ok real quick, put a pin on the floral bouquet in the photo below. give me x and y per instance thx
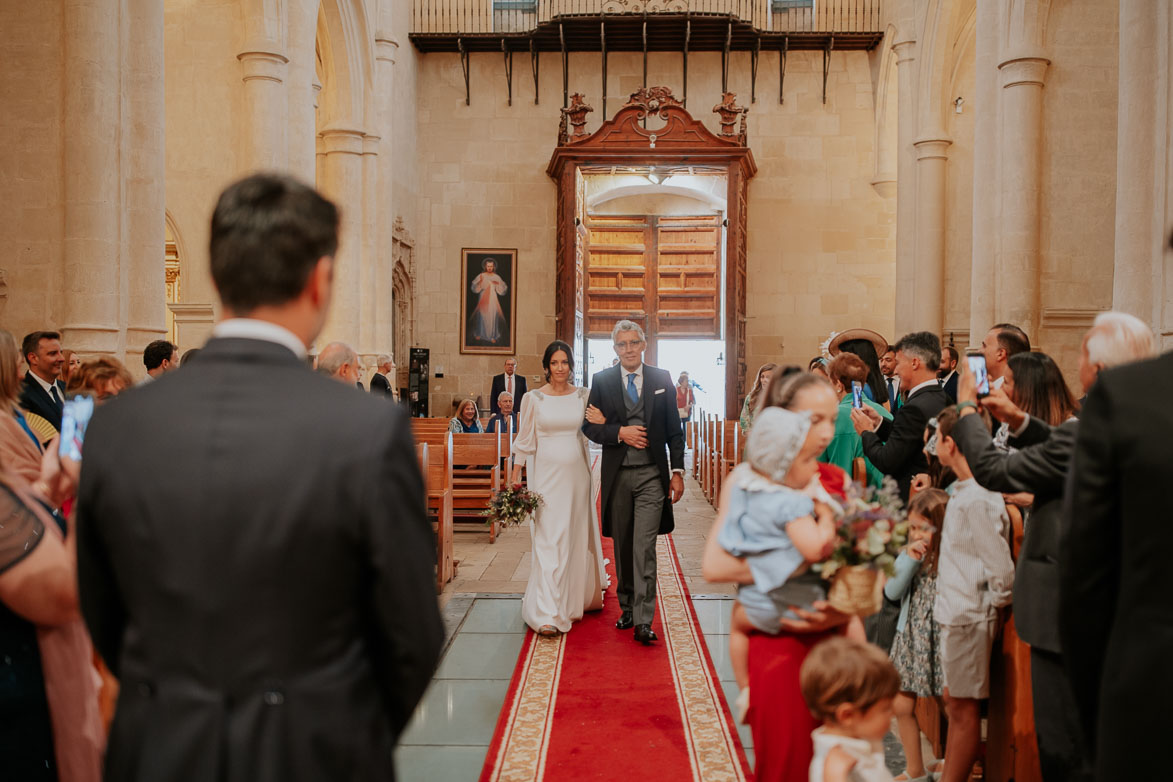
(869, 535)
(512, 505)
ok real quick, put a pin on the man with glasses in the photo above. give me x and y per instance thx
(641, 437)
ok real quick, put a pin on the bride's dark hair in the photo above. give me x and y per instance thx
(553, 348)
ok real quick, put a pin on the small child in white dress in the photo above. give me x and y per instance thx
(851, 686)
(773, 522)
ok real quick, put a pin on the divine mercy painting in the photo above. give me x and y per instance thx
(488, 298)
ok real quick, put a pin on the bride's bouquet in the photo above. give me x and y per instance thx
(869, 536)
(512, 505)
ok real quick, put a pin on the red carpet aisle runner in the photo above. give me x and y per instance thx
(595, 705)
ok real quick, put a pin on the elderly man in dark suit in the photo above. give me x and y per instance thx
(507, 382)
(1114, 609)
(43, 393)
(259, 578)
(381, 380)
(641, 437)
(896, 447)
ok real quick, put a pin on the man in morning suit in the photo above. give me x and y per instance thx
(259, 579)
(640, 438)
(509, 381)
(896, 447)
(43, 393)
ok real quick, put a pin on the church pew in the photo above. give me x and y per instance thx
(696, 443)
(730, 432)
(438, 485)
(476, 474)
(706, 455)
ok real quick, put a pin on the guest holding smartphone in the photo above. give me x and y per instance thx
(847, 372)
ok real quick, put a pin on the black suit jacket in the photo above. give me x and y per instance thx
(663, 431)
(36, 399)
(259, 579)
(1039, 467)
(519, 390)
(950, 387)
(897, 447)
(380, 386)
(1116, 618)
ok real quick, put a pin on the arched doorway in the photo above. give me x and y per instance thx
(672, 144)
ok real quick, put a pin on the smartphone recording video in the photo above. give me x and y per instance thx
(75, 417)
(981, 379)
(856, 394)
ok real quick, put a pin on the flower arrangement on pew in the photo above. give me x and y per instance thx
(512, 505)
(870, 534)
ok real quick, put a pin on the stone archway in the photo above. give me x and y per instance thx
(634, 137)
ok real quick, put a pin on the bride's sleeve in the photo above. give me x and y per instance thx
(525, 443)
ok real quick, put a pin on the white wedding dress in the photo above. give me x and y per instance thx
(566, 567)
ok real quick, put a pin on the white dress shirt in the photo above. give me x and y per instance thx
(975, 572)
(927, 384)
(264, 330)
(49, 387)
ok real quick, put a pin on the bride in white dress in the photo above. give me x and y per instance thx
(566, 566)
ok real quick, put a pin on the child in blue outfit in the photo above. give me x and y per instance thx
(775, 523)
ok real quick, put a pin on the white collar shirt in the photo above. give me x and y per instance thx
(927, 384)
(45, 385)
(639, 377)
(266, 331)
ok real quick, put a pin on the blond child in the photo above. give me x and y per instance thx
(974, 580)
(916, 651)
(850, 685)
(775, 524)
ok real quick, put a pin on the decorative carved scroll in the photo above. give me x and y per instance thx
(729, 112)
(575, 115)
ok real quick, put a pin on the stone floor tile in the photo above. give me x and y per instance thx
(481, 656)
(417, 763)
(457, 712)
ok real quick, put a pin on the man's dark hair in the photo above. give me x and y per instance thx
(924, 345)
(1012, 339)
(157, 352)
(954, 356)
(889, 349)
(553, 348)
(31, 342)
(268, 233)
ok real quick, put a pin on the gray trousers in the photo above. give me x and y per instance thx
(637, 504)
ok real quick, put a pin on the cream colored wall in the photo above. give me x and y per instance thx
(31, 186)
(959, 195)
(820, 238)
(1079, 174)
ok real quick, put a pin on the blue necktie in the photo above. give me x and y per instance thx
(631, 390)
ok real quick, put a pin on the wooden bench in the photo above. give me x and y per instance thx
(729, 456)
(476, 475)
(436, 465)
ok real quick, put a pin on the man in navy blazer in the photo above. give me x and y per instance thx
(43, 392)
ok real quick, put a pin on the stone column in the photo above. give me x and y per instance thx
(342, 182)
(1143, 177)
(264, 137)
(1017, 273)
(92, 199)
(385, 52)
(985, 174)
(144, 168)
(301, 78)
(928, 287)
(905, 189)
(368, 344)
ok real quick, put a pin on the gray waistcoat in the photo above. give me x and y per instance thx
(635, 417)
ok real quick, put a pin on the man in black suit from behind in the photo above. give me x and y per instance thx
(509, 381)
(258, 574)
(1115, 616)
(43, 392)
(381, 380)
(896, 447)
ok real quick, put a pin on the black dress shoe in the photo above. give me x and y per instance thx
(644, 634)
(624, 622)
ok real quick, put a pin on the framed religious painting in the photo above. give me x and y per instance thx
(488, 301)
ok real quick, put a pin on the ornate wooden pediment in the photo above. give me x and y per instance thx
(671, 135)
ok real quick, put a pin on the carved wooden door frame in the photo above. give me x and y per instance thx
(682, 141)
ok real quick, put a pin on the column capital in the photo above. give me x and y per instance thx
(263, 62)
(344, 141)
(1025, 70)
(905, 51)
(386, 47)
(933, 146)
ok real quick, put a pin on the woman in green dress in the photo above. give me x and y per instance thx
(846, 446)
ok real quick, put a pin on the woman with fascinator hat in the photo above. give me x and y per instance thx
(869, 346)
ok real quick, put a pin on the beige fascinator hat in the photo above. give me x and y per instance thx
(874, 337)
